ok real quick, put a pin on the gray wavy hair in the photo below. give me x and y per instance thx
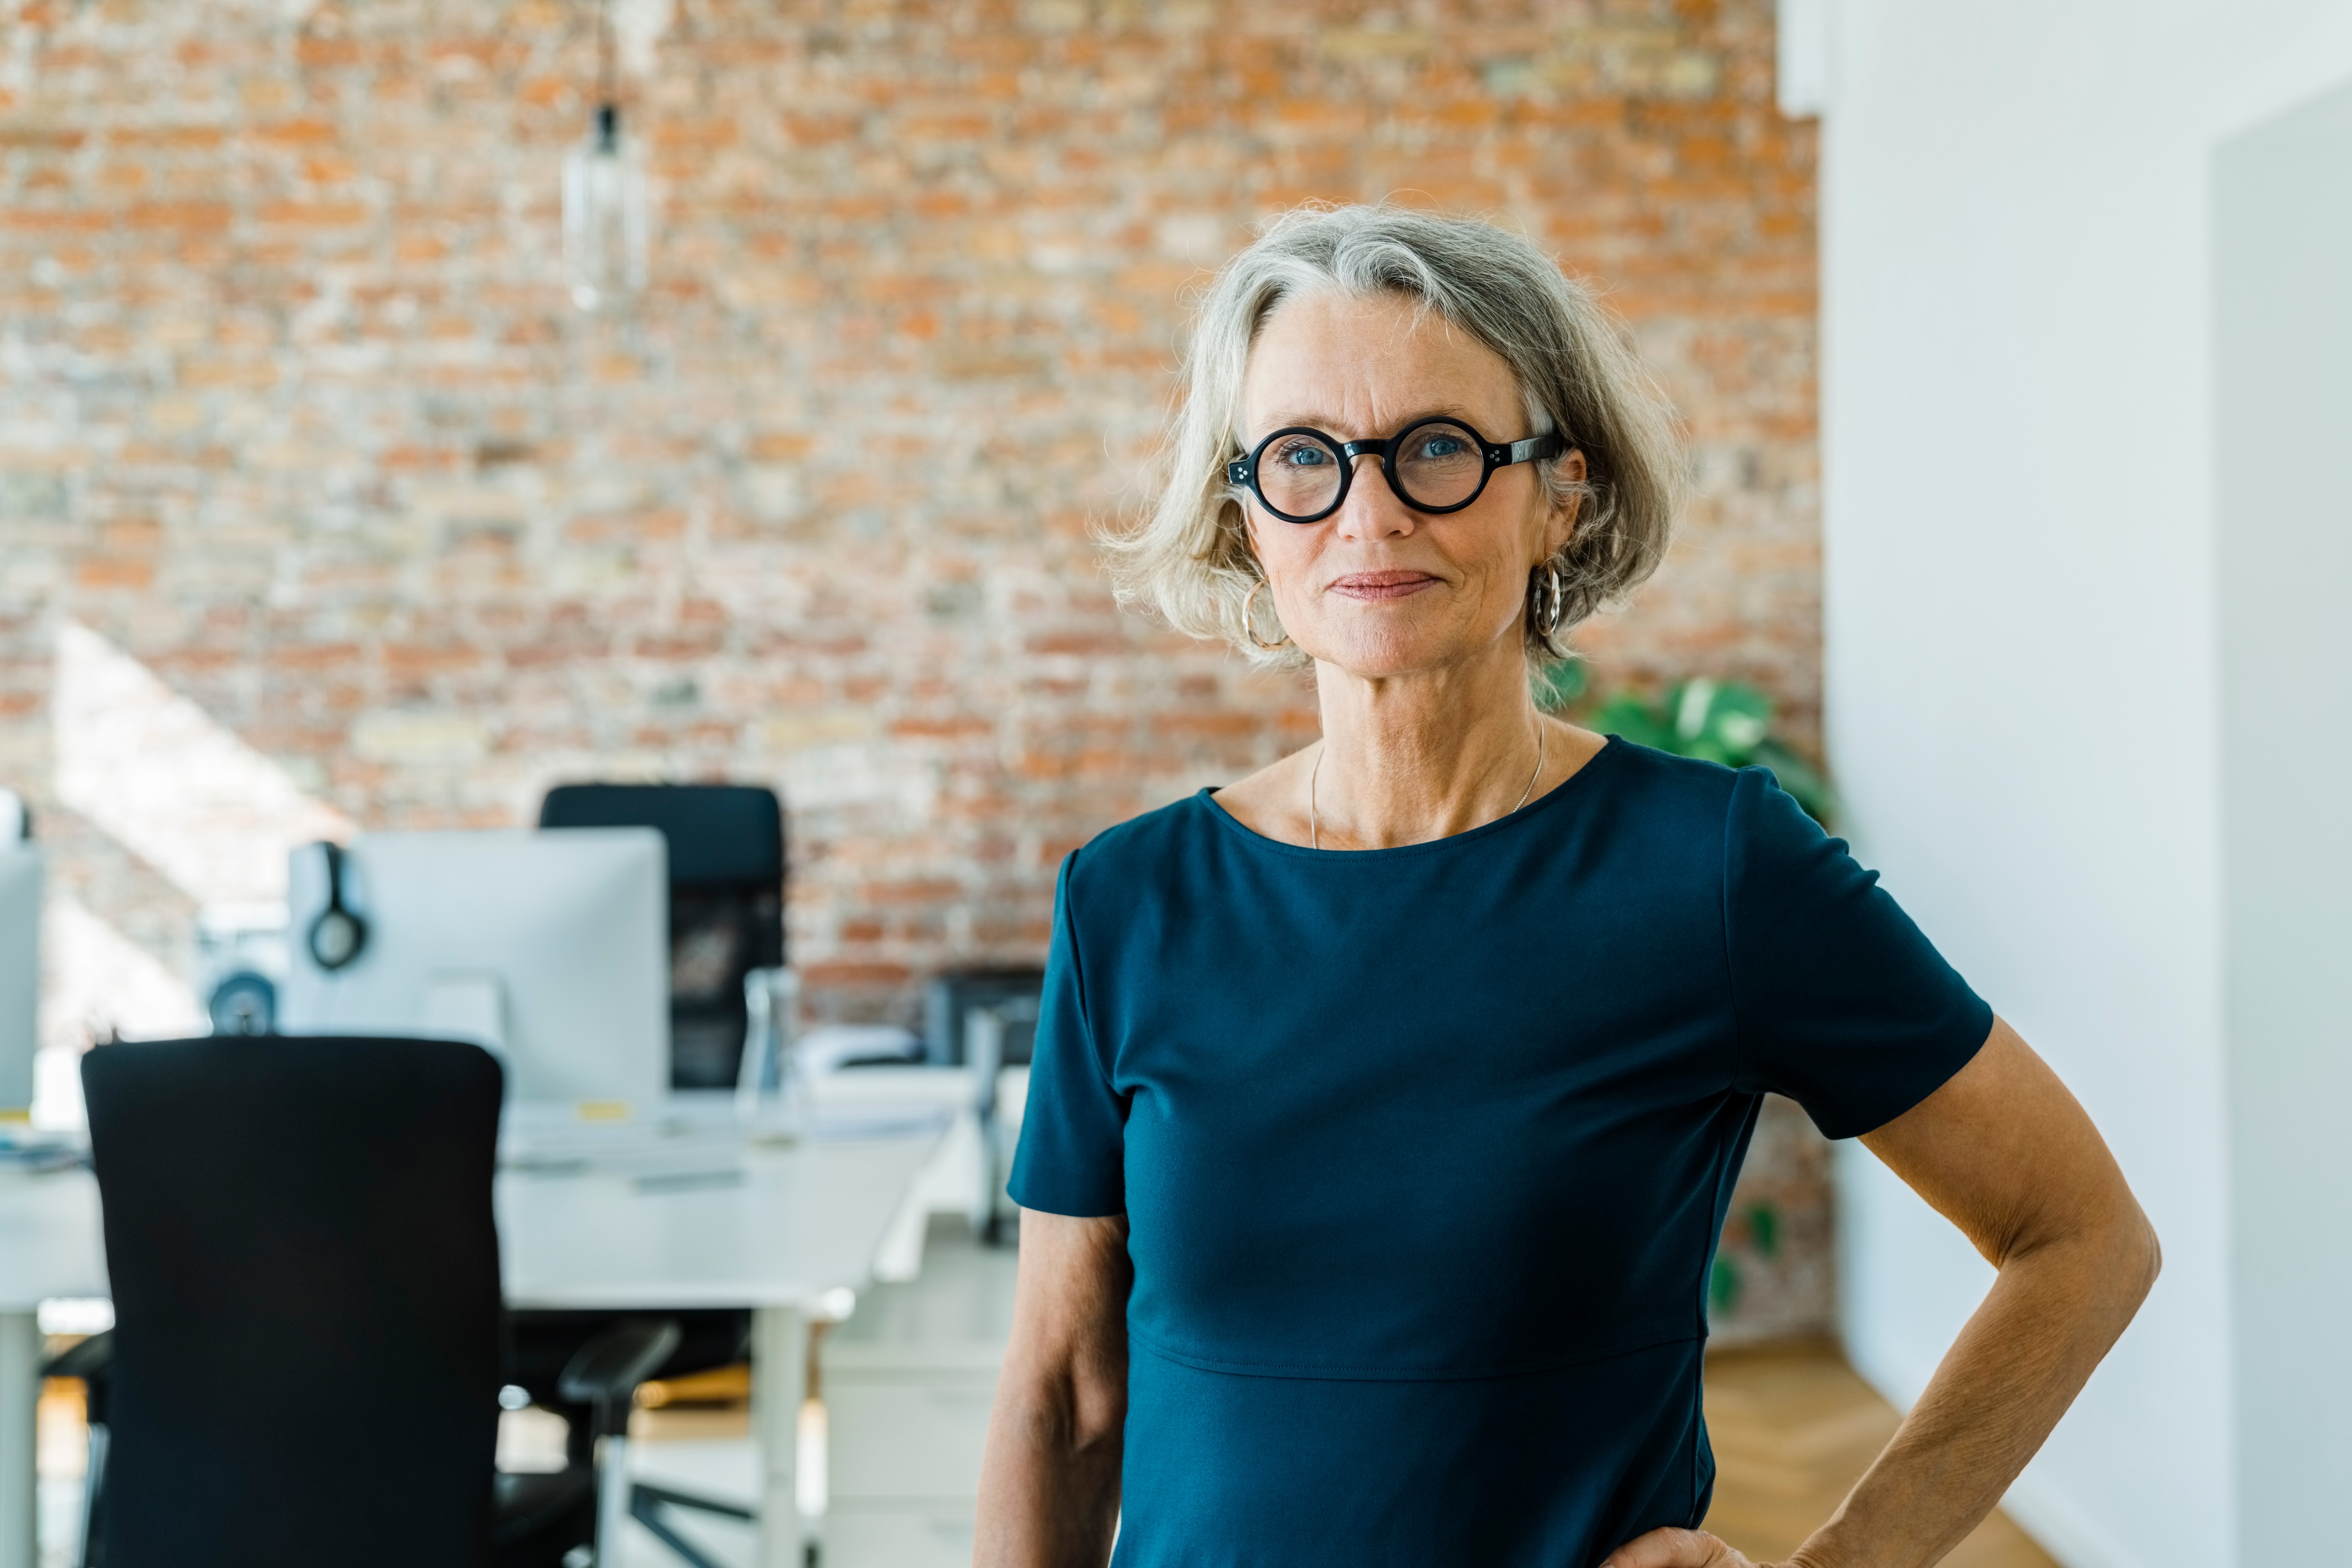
(1188, 554)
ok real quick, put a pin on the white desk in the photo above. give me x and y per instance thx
(696, 1224)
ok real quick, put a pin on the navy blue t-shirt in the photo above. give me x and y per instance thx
(1424, 1150)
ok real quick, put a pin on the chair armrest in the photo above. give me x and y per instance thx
(609, 1366)
(92, 1361)
(90, 1358)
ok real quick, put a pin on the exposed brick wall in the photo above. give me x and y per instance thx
(293, 406)
(294, 409)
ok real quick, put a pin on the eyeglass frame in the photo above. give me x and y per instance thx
(1242, 471)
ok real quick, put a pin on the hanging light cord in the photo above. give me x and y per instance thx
(605, 85)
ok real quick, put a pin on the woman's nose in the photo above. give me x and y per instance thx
(1373, 510)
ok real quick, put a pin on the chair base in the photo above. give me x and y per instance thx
(645, 1506)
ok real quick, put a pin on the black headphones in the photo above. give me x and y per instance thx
(337, 937)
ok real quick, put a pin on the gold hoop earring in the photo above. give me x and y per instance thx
(1249, 621)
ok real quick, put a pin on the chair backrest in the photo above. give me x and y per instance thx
(305, 1270)
(726, 909)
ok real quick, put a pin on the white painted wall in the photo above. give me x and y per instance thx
(2283, 380)
(2034, 670)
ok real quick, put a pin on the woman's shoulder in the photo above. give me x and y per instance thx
(1617, 775)
(1697, 801)
(1669, 778)
(1145, 841)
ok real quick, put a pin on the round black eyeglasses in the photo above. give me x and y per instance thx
(1437, 466)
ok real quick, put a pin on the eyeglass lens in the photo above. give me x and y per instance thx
(1440, 464)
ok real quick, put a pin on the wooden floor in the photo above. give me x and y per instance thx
(1793, 1428)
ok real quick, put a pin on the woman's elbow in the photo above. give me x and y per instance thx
(1097, 1412)
(2150, 1256)
(1063, 1412)
(2121, 1264)
(2108, 1252)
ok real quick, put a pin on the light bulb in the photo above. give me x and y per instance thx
(604, 213)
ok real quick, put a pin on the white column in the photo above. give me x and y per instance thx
(779, 1387)
(20, 1392)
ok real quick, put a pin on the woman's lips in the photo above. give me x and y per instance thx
(1382, 585)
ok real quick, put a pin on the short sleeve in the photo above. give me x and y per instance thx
(1841, 1004)
(1073, 1154)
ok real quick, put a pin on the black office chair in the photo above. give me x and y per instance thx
(726, 921)
(306, 1360)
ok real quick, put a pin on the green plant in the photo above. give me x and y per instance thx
(1561, 686)
(1722, 721)
(1723, 1285)
(1725, 1282)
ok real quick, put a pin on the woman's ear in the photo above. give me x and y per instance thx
(1559, 525)
(1249, 536)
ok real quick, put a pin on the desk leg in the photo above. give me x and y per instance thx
(20, 1394)
(779, 1347)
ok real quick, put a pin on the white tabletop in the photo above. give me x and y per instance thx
(50, 1243)
(715, 1228)
(694, 1223)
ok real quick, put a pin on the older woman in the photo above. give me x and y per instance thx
(1387, 1102)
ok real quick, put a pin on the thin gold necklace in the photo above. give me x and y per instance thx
(1315, 839)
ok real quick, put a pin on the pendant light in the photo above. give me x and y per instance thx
(604, 200)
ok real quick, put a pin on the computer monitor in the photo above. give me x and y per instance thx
(552, 949)
(20, 975)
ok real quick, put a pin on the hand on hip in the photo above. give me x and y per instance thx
(1678, 1549)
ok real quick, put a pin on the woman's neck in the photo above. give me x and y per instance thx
(1411, 759)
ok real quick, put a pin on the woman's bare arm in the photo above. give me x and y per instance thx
(2006, 1154)
(1049, 1482)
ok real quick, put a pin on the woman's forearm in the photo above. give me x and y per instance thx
(2025, 1353)
(1049, 1478)
(1048, 1487)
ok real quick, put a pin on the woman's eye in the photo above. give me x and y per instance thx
(1441, 447)
(1305, 455)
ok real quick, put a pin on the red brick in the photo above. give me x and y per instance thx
(833, 972)
(179, 216)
